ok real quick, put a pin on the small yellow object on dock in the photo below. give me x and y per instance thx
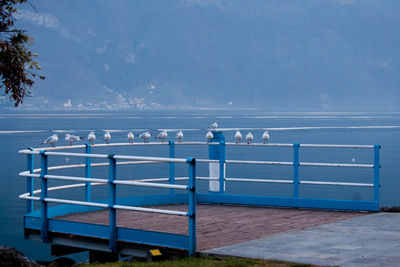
(155, 252)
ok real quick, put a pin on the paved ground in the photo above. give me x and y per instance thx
(370, 240)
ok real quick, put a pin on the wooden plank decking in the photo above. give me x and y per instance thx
(219, 225)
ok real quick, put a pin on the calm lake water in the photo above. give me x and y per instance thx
(22, 130)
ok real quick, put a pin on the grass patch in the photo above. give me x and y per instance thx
(205, 262)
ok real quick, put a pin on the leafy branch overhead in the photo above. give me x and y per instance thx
(17, 63)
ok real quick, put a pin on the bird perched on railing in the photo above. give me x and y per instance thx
(91, 137)
(162, 136)
(51, 140)
(213, 126)
(265, 137)
(249, 138)
(179, 136)
(238, 136)
(145, 136)
(107, 137)
(131, 136)
(209, 136)
(72, 138)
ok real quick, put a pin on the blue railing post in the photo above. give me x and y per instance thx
(112, 201)
(222, 167)
(88, 172)
(172, 165)
(29, 182)
(217, 152)
(376, 172)
(192, 205)
(296, 170)
(43, 196)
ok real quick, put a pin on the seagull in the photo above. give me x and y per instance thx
(265, 137)
(131, 136)
(51, 140)
(209, 136)
(249, 138)
(162, 136)
(179, 136)
(91, 137)
(107, 137)
(213, 126)
(238, 136)
(72, 138)
(145, 136)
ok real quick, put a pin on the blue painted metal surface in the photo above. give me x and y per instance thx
(296, 164)
(172, 165)
(43, 195)
(377, 167)
(112, 201)
(192, 205)
(29, 182)
(222, 167)
(215, 152)
(88, 172)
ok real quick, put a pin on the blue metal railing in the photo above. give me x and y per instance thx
(217, 159)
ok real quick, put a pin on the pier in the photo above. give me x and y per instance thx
(184, 220)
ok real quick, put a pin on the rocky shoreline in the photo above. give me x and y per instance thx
(11, 257)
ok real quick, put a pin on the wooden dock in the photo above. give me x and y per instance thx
(219, 225)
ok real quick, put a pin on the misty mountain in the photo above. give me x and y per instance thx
(276, 55)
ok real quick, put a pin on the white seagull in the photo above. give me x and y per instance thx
(238, 136)
(72, 138)
(107, 137)
(249, 138)
(131, 136)
(265, 137)
(145, 136)
(209, 136)
(91, 137)
(213, 126)
(162, 136)
(51, 140)
(179, 136)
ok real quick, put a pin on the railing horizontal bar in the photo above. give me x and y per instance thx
(75, 202)
(207, 160)
(82, 155)
(260, 162)
(73, 178)
(172, 186)
(336, 183)
(196, 143)
(335, 146)
(336, 165)
(176, 160)
(169, 212)
(259, 180)
(28, 174)
(259, 144)
(161, 179)
(207, 178)
(26, 196)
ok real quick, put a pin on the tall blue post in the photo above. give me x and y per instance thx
(88, 172)
(112, 201)
(172, 165)
(29, 182)
(192, 205)
(217, 152)
(376, 172)
(296, 170)
(43, 196)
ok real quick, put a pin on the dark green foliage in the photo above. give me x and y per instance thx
(17, 64)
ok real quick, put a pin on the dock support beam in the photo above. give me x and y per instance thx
(88, 172)
(43, 196)
(112, 201)
(192, 205)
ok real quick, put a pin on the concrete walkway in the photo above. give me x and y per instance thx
(370, 240)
